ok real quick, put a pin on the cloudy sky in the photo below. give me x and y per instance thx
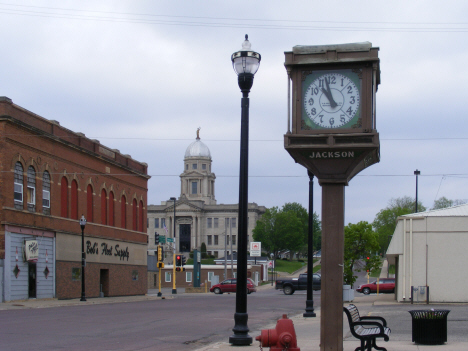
(142, 76)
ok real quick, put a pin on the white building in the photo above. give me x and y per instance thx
(429, 249)
(198, 218)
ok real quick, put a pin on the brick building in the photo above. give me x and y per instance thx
(50, 177)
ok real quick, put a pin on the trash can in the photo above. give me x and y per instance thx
(348, 293)
(429, 326)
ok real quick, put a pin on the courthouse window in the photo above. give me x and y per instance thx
(216, 222)
(209, 222)
(156, 222)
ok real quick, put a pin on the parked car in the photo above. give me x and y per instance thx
(290, 285)
(230, 285)
(386, 285)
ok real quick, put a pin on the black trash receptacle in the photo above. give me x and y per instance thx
(429, 326)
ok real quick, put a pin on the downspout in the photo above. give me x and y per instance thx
(404, 259)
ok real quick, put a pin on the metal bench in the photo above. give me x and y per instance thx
(366, 329)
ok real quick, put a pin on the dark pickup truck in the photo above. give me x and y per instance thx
(289, 286)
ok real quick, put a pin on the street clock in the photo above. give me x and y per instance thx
(333, 128)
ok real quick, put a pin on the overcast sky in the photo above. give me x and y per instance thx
(142, 76)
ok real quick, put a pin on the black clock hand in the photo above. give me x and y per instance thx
(333, 104)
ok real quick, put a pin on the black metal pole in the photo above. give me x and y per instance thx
(416, 173)
(241, 335)
(174, 288)
(309, 310)
(83, 264)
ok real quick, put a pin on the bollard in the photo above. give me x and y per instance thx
(283, 337)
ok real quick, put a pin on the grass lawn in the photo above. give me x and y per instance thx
(289, 266)
(203, 261)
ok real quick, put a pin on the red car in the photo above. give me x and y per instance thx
(230, 285)
(386, 285)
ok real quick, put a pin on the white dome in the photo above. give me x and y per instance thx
(197, 149)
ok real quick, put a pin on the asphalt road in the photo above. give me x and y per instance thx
(184, 322)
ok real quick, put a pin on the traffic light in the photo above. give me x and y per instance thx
(160, 254)
(156, 238)
(178, 260)
(367, 264)
(184, 260)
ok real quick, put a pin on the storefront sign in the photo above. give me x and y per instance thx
(31, 250)
(107, 250)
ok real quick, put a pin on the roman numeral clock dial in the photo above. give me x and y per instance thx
(331, 99)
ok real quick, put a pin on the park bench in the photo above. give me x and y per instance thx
(367, 328)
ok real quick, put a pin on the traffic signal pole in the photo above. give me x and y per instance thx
(174, 290)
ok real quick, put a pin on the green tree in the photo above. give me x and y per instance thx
(203, 250)
(303, 215)
(385, 221)
(443, 202)
(360, 241)
(286, 229)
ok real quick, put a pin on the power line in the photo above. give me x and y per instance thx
(212, 140)
(50, 12)
(461, 175)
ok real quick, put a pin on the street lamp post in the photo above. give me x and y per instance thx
(245, 63)
(309, 311)
(174, 289)
(416, 173)
(83, 258)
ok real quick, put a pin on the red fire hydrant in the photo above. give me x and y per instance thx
(283, 337)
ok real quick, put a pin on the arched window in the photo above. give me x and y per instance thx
(111, 209)
(64, 197)
(103, 206)
(89, 203)
(18, 186)
(74, 200)
(140, 213)
(46, 193)
(123, 212)
(31, 192)
(135, 215)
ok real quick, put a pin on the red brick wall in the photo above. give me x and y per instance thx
(77, 158)
(120, 280)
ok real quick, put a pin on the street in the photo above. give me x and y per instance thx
(181, 322)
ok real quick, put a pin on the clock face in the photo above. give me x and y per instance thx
(331, 99)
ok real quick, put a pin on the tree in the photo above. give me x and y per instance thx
(360, 241)
(203, 250)
(385, 221)
(303, 215)
(443, 202)
(284, 229)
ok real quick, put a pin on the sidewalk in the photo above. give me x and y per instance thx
(308, 333)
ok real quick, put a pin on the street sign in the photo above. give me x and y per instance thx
(256, 249)
(170, 240)
(162, 239)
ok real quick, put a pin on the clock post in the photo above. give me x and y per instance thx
(333, 135)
